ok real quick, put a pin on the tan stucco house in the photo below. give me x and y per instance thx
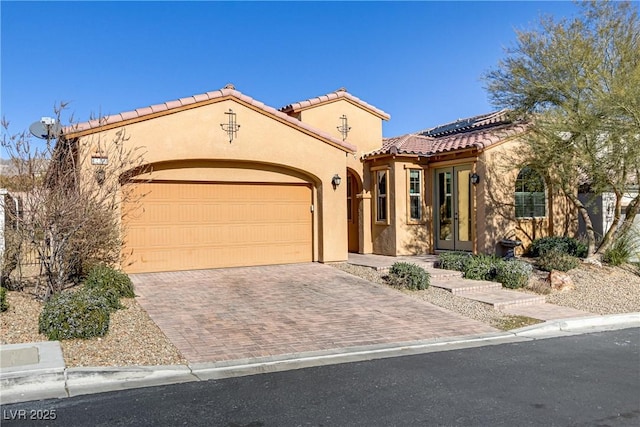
(233, 182)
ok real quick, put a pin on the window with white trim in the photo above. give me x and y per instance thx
(530, 195)
(381, 195)
(415, 194)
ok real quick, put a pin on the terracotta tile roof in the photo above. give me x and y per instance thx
(331, 97)
(122, 119)
(477, 132)
(405, 144)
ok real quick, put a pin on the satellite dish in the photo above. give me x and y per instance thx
(45, 128)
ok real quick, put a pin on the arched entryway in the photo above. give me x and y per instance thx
(354, 187)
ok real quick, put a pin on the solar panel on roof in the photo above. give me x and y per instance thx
(451, 127)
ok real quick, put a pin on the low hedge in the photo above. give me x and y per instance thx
(409, 276)
(555, 260)
(481, 267)
(512, 274)
(4, 305)
(81, 314)
(107, 278)
(567, 245)
(453, 260)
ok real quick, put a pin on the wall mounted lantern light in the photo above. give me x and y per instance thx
(100, 176)
(335, 181)
(344, 127)
(100, 161)
(231, 127)
(475, 178)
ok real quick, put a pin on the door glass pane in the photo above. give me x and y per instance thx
(349, 198)
(381, 208)
(445, 207)
(464, 205)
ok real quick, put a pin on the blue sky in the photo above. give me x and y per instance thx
(421, 62)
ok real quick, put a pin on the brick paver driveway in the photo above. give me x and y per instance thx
(239, 313)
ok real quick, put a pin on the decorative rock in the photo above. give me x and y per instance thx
(560, 281)
(593, 261)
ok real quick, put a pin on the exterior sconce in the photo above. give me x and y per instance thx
(231, 127)
(100, 175)
(100, 161)
(344, 127)
(335, 181)
(475, 178)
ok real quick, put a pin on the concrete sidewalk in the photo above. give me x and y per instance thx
(23, 380)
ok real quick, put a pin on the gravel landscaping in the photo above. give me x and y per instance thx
(601, 291)
(604, 290)
(134, 339)
(445, 299)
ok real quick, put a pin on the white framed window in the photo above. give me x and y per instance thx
(382, 200)
(530, 195)
(415, 194)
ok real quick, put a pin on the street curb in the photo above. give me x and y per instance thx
(579, 325)
(37, 384)
(98, 380)
(238, 368)
(42, 380)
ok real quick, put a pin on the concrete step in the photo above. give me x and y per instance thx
(438, 273)
(545, 311)
(459, 286)
(502, 298)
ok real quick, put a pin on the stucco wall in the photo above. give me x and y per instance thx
(496, 204)
(366, 135)
(366, 128)
(412, 237)
(193, 145)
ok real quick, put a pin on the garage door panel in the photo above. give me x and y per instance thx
(189, 226)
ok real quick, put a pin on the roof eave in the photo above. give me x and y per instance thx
(127, 118)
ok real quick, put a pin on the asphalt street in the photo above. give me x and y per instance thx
(579, 380)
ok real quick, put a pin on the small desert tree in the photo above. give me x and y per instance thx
(71, 208)
(577, 82)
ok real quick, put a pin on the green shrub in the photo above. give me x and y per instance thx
(81, 314)
(621, 251)
(555, 260)
(481, 267)
(453, 260)
(4, 305)
(104, 277)
(410, 276)
(513, 274)
(110, 295)
(567, 245)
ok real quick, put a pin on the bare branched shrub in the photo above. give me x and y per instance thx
(70, 206)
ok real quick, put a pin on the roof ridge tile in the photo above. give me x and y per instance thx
(340, 93)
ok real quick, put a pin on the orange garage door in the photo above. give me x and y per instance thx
(184, 226)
